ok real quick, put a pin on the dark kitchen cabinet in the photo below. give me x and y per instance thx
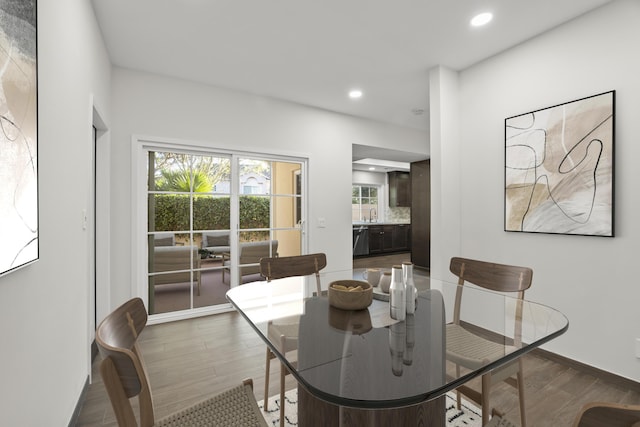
(380, 238)
(401, 237)
(389, 238)
(399, 189)
(421, 213)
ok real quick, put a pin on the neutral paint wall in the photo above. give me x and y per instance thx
(364, 177)
(44, 307)
(151, 105)
(590, 279)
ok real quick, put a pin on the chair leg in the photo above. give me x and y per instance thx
(266, 379)
(458, 396)
(282, 375)
(486, 408)
(521, 394)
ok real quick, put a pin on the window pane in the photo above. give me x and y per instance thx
(172, 278)
(286, 212)
(255, 211)
(179, 172)
(169, 212)
(255, 176)
(288, 242)
(254, 236)
(254, 246)
(211, 212)
(218, 173)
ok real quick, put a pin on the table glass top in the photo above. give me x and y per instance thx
(365, 359)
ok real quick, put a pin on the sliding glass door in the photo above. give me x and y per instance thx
(188, 204)
(211, 217)
(269, 214)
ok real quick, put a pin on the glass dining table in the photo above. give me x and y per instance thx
(364, 368)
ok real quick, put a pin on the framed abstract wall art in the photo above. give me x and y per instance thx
(18, 135)
(559, 168)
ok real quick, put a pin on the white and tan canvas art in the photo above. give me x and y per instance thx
(559, 168)
(18, 135)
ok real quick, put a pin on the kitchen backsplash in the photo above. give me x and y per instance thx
(402, 215)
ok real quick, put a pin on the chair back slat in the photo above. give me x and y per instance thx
(488, 275)
(116, 338)
(495, 277)
(290, 266)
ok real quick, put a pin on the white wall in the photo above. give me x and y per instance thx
(151, 105)
(44, 307)
(365, 177)
(590, 279)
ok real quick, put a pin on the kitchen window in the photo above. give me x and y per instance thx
(364, 203)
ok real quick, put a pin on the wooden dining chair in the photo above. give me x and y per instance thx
(601, 414)
(283, 331)
(125, 377)
(470, 350)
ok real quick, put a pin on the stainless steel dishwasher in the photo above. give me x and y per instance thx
(360, 240)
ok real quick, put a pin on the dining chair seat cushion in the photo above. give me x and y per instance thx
(236, 407)
(470, 350)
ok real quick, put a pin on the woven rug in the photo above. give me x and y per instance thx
(469, 416)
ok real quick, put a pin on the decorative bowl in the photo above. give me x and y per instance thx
(350, 294)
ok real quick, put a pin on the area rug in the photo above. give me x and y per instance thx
(468, 416)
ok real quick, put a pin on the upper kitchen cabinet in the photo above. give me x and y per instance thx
(399, 189)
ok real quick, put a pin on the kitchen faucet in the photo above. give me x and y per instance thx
(373, 211)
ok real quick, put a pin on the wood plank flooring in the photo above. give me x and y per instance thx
(189, 360)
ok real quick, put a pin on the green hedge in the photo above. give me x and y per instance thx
(210, 213)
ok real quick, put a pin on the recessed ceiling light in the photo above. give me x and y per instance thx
(372, 168)
(355, 94)
(481, 19)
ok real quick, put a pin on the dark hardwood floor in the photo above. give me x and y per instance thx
(191, 359)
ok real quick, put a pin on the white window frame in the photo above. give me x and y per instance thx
(379, 211)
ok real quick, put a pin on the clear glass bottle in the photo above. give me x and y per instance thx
(397, 298)
(409, 287)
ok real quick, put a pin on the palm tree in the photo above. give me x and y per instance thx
(186, 172)
(184, 181)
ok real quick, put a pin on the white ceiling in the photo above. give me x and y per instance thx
(313, 51)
